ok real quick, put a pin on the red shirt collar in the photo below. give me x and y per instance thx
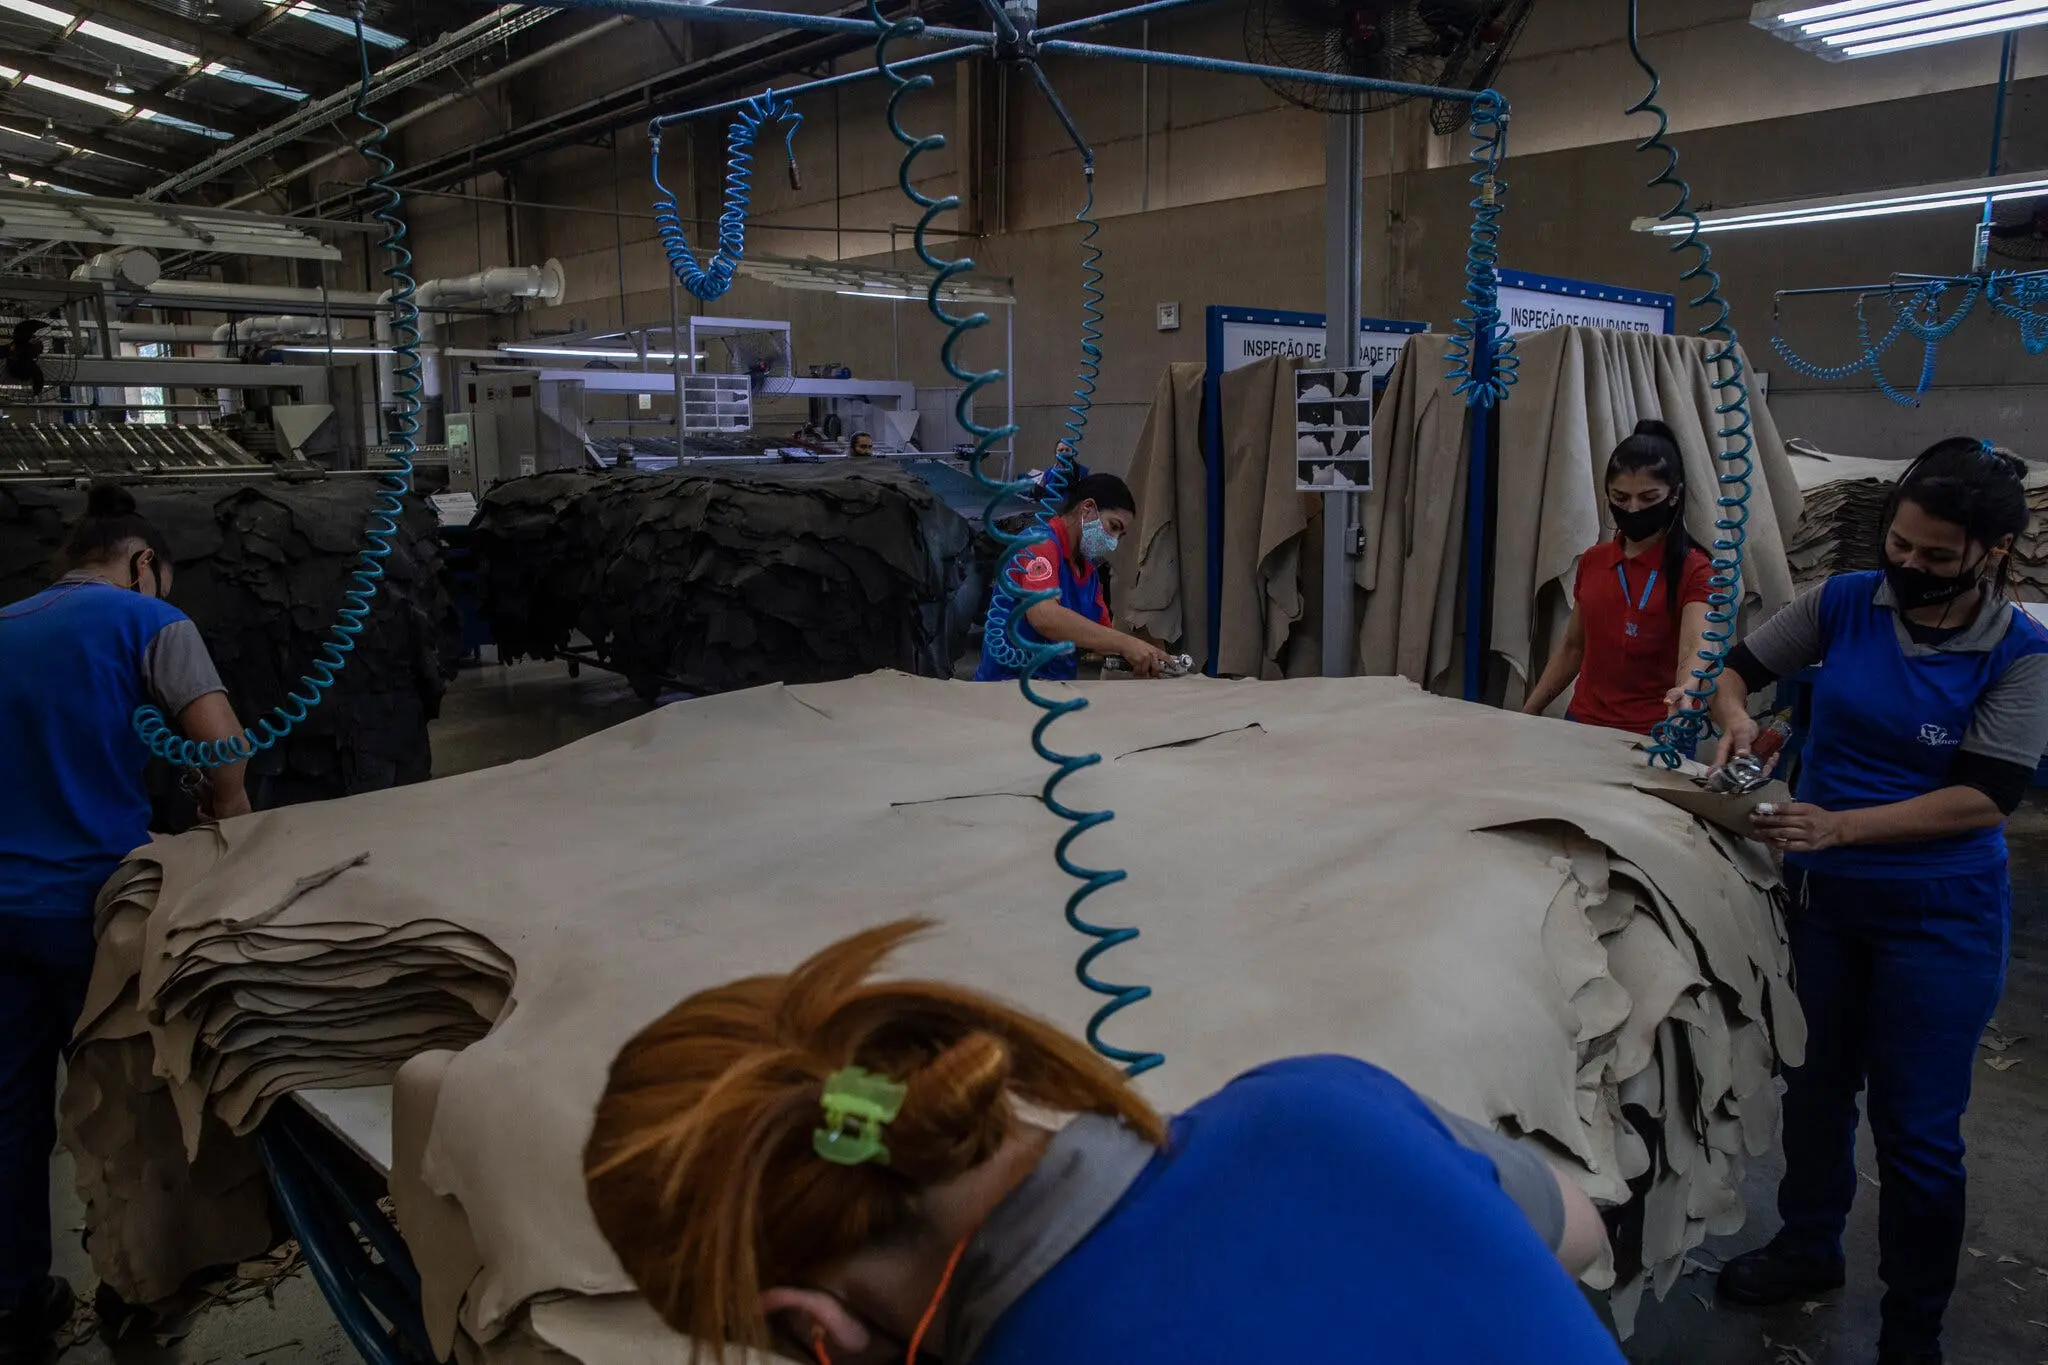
(1068, 551)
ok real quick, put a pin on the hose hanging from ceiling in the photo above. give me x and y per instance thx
(1008, 603)
(1680, 732)
(708, 282)
(150, 723)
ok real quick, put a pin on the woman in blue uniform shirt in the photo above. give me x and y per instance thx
(861, 1170)
(1098, 513)
(75, 662)
(1930, 714)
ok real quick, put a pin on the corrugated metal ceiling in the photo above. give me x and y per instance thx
(103, 150)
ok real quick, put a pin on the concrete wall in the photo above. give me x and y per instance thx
(1210, 192)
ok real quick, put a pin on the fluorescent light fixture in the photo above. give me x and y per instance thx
(1847, 207)
(333, 350)
(591, 353)
(1869, 28)
(879, 294)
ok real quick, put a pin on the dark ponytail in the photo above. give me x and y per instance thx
(1972, 484)
(1652, 448)
(111, 521)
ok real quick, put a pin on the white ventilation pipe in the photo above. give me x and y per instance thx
(246, 332)
(271, 295)
(130, 268)
(497, 287)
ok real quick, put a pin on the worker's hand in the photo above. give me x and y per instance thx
(215, 805)
(1738, 738)
(1799, 827)
(1680, 699)
(1535, 706)
(1146, 661)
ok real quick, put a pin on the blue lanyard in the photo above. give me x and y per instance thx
(1621, 572)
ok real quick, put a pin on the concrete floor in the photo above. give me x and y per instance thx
(1999, 1316)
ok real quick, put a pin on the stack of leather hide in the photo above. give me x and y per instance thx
(1846, 500)
(714, 580)
(261, 568)
(1496, 908)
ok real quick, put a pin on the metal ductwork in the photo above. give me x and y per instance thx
(245, 332)
(129, 268)
(498, 287)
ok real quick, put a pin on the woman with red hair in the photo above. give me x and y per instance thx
(866, 1171)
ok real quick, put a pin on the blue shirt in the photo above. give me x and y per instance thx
(1311, 1210)
(72, 798)
(1049, 564)
(1887, 725)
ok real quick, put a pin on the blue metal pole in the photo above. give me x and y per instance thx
(865, 73)
(1478, 479)
(698, 12)
(1153, 57)
(1117, 17)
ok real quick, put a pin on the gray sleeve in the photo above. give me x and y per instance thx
(1524, 1176)
(2010, 723)
(1792, 639)
(177, 669)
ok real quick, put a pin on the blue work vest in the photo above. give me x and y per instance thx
(72, 798)
(1080, 591)
(1312, 1210)
(1886, 727)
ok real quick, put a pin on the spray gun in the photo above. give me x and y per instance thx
(1744, 773)
(1177, 665)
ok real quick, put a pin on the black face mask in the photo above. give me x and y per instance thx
(1644, 522)
(1916, 588)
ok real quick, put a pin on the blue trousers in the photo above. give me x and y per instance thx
(44, 967)
(1898, 979)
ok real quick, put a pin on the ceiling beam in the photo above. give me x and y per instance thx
(178, 105)
(59, 178)
(73, 167)
(21, 119)
(213, 44)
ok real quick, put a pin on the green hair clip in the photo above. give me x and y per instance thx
(857, 1105)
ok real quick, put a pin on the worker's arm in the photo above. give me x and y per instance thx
(1065, 625)
(1585, 1235)
(1562, 667)
(1988, 777)
(1557, 1209)
(179, 673)
(209, 719)
(1692, 640)
(1792, 640)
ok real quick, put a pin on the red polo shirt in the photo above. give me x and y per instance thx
(1632, 640)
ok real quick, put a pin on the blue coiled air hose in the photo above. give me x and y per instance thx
(1007, 604)
(709, 281)
(1482, 265)
(1004, 645)
(350, 618)
(1682, 730)
(2013, 295)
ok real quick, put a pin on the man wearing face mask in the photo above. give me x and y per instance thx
(1930, 713)
(1099, 511)
(75, 662)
